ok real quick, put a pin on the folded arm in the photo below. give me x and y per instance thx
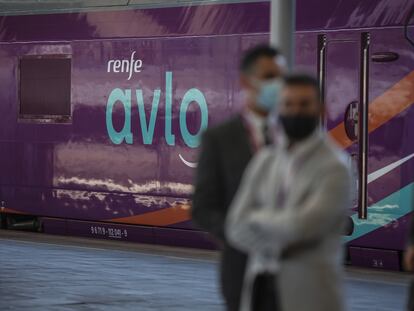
(321, 213)
(239, 231)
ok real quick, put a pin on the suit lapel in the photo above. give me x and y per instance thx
(242, 138)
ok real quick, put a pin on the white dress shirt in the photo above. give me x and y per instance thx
(256, 125)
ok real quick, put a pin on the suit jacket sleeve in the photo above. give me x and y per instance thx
(208, 210)
(238, 230)
(322, 212)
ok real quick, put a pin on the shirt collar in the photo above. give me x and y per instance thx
(254, 119)
(302, 147)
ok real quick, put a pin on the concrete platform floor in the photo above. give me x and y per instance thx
(41, 273)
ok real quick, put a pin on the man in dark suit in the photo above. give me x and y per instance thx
(225, 152)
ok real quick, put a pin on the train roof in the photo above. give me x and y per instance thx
(48, 20)
(346, 14)
(178, 18)
(30, 7)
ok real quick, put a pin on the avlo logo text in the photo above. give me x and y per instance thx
(193, 95)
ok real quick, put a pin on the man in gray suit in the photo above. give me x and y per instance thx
(225, 152)
(289, 211)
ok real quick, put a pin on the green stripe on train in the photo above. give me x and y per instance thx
(384, 212)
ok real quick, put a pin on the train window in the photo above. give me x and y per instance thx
(45, 87)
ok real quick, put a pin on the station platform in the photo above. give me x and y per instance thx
(40, 272)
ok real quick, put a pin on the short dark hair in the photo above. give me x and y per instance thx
(302, 79)
(253, 54)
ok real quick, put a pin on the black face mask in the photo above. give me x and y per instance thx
(299, 127)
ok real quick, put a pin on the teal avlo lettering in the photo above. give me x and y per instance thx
(193, 95)
(147, 125)
(125, 134)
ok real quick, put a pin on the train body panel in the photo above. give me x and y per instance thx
(146, 82)
(87, 168)
(364, 59)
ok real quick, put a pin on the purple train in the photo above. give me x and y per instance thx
(101, 111)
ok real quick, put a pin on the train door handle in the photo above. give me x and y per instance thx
(355, 176)
(351, 121)
(384, 57)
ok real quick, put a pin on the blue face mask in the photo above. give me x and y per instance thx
(269, 94)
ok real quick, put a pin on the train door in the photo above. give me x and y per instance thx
(343, 74)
